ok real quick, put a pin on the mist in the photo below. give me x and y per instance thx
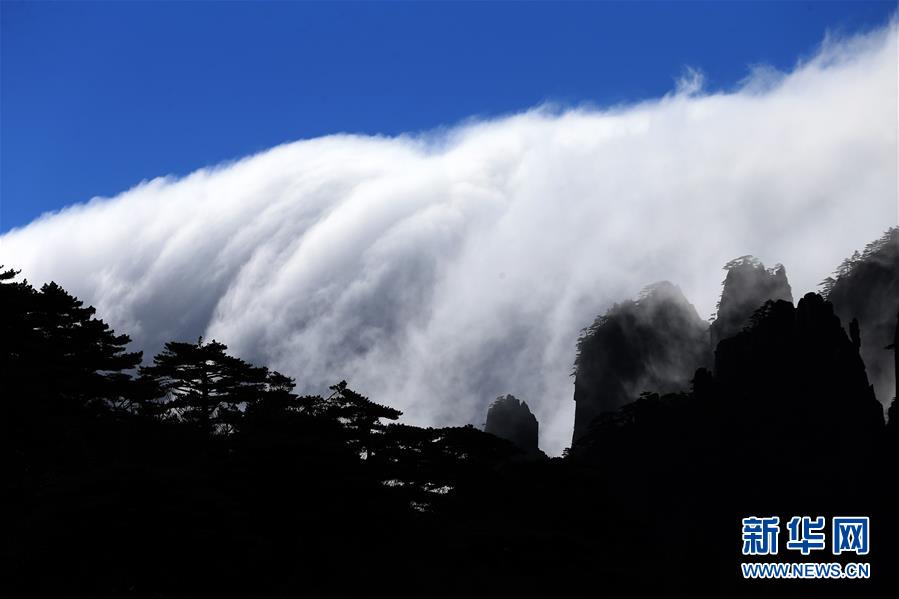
(435, 271)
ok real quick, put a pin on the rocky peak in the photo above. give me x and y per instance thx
(747, 286)
(511, 419)
(653, 343)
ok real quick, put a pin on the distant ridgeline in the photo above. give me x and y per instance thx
(199, 474)
(657, 342)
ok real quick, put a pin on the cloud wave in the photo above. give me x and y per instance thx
(437, 271)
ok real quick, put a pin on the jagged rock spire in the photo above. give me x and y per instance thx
(511, 419)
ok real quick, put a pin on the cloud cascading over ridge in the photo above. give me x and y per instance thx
(437, 271)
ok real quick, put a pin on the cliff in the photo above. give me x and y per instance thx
(747, 286)
(655, 342)
(511, 419)
(866, 287)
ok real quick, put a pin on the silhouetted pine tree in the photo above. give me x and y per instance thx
(360, 417)
(204, 385)
(275, 400)
(54, 348)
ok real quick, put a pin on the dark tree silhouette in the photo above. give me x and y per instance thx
(275, 399)
(360, 416)
(53, 347)
(205, 385)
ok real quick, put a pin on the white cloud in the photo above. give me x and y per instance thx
(690, 82)
(436, 272)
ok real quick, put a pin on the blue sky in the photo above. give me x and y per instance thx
(95, 97)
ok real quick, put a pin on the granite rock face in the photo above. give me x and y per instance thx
(657, 342)
(747, 286)
(511, 419)
(866, 288)
(796, 377)
(653, 343)
(893, 412)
